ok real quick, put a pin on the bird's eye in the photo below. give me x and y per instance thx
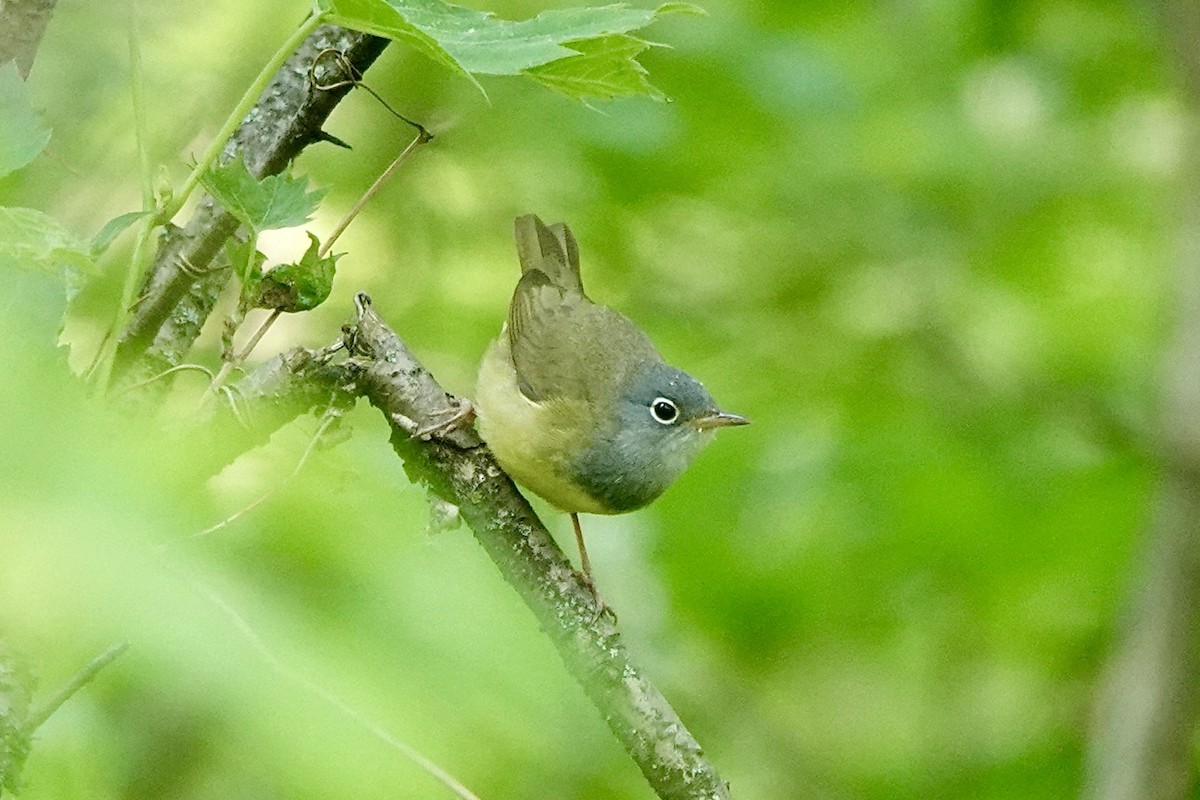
(664, 411)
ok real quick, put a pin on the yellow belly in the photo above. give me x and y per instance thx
(534, 442)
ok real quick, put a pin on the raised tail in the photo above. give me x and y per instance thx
(549, 249)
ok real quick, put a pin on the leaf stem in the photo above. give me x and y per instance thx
(258, 334)
(108, 348)
(77, 682)
(421, 138)
(236, 361)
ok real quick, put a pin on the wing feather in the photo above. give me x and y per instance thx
(562, 344)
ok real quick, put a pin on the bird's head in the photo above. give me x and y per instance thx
(659, 421)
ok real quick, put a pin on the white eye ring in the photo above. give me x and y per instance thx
(664, 411)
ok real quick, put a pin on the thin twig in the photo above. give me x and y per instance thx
(281, 669)
(355, 80)
(77, 682)
(105, 359)
(331, 416)
(236, 361)
(421, 138)
(165, 373)
(258, 334)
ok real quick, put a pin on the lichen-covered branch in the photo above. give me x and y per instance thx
(458, 469)
(188, 272)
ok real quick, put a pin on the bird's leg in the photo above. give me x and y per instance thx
(583, 557)
(586, 566)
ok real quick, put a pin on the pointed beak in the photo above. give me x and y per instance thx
(719, 420)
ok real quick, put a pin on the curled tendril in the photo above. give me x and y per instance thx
(342, 65)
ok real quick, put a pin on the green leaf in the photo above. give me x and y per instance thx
(22, 136)
(112, 229)
(277, 201)
(31, 240)
(299, 287)
(605, 68)
(600, 56)
(35, 247)
(380, 18)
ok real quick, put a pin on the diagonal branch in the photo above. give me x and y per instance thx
(39, 715)
(458, 469)
(188, 273)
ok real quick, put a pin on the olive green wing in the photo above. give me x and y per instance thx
(541, 320)
(564, 345)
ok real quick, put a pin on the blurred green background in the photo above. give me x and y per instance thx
(926, 246)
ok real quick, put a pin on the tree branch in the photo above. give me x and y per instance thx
(295, 382)
(459, 470)
(178, 295)
(80, 679)
(181, 288)
(18, 721)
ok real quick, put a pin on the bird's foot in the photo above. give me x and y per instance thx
(603, 609)
(461, 415)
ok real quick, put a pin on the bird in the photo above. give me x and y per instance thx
(574, 400)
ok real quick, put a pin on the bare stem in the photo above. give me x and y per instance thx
(108, 347)
(77, 682)
(331, 416)
(236, 361)
(421, 138)
(287, 673)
